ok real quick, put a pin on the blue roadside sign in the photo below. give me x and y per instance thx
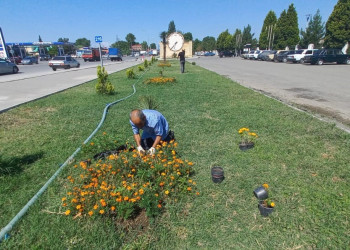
(98, 39)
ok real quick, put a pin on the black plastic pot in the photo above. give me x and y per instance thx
(265, 211)
(246, 146)
(261, 193)
(217, 174)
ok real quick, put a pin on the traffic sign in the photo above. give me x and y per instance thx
(98, 39)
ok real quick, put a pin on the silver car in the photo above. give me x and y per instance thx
(65, 62)
(7, 67)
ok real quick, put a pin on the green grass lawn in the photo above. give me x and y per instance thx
(305, 161)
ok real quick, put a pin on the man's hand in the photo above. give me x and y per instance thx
(140, 149)
(152, 151)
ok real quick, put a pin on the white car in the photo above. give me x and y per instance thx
(64, 62)
(299, 55)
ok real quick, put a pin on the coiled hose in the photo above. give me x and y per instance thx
(4, 231)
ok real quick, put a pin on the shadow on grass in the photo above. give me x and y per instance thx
(15, 165)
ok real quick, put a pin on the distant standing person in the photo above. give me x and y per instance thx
(182, 60)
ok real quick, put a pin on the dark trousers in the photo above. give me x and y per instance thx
(182, 64)
(147, 143)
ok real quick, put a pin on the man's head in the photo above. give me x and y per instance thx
(138, 118)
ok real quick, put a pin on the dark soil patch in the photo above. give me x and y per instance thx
(139, 223)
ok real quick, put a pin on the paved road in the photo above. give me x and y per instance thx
(323, 89)
(37, 81)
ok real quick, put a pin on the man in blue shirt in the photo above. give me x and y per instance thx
(154, 126)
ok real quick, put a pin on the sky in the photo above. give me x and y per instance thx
(25, 20)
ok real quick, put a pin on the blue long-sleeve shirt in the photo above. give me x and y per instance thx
(155, 125)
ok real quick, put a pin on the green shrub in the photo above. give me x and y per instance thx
(147, 102)
(141, 68)
(145, 64)
(193, 63)
(130, 73)
(103, 86)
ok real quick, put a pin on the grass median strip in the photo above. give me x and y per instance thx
(305, 161)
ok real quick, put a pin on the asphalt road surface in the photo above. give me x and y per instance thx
(322, 89)
(39, 80)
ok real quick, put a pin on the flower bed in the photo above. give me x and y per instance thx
(164, 65)
(123, 184)
(160, 80)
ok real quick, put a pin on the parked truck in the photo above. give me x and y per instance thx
(115, 54)
(91, 55)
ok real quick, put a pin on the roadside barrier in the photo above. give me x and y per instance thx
(4, 233)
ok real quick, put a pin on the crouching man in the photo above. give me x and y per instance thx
(154, 126)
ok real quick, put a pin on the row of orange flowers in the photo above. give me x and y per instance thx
(126, 182)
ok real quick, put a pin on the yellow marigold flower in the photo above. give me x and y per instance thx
(64, 198)
(265, 185)
(166, 192)
(90, 213)
(141, 191)
(96, 206)
(74, 200)
(156, 195)
(178, 173)
(194, 183)
(104, 133)
(134, 155)
(69, 193)
(67, 212)
(190, 163)
(163, 174)
(102, 211)
(272, 204)
(78, 207)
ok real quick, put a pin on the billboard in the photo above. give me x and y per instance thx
(3, 51)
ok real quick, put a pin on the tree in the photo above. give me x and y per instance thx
(287, 31)
(237, 41)
(123, 46)
(53, 50)
(63, 40)
(153, 46)
(40, 40)
(82, 42)
(188, 36)
(163, 36)
(224, 41)
(209, 43)
(247, 36)
(314, 32)
(338, 25)
(171, 28)
(130, 38)
(197, 45)
(267, 30)
(144, 45)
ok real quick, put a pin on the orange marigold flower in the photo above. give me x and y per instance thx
(141, 191)
(159, 206)
(118, 199)
(134, 155)
(156, 195)
(189, 189)
(64, 198)
(90, 213)
(96, 206)
(197, 193)
(112, 208)
(265, 185)
(67, 212)
(92, 143)
(126, 198)
(161, 184)
(78, 207)
(74, 200)
(190, 163)
(64, 204)
(102, 211)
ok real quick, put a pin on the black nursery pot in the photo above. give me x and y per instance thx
(265, 211)
(217, 174)
(261, 193)
(246, 146)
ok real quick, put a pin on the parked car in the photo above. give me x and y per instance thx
(296, 56)
(308, 53)
(225, 53)
(209, 54)
(327, 56)
(44, 57)
(282, 56)
(30, 60)
(245, 55)
(16, 59)
(251, 55)
(7, 66)
(64, 62)
(256, 54)
(265, 55)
